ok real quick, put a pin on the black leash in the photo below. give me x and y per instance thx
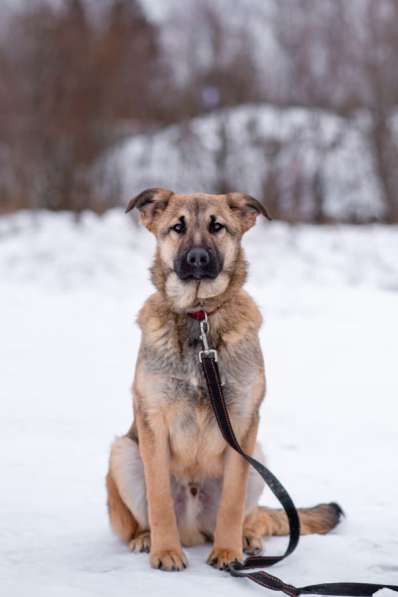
(208, 359)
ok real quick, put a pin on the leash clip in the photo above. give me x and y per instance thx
(204, 330)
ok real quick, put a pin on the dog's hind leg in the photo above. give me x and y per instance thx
(122, 521)
(126, 494)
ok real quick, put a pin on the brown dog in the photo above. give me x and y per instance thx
(172, 478)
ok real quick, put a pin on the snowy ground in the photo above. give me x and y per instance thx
(68, 299)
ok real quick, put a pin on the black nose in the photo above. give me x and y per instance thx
(198, 258)
(198, 263)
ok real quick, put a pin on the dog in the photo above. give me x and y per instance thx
(172, 478)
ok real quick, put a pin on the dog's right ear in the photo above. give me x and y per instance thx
(247, 207)
(150, 204)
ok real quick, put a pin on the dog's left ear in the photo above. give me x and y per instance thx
(150, 204)
(247, 207)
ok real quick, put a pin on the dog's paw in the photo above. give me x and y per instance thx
(252, 545)
(221, 558)
(168, 559)
(141, 543)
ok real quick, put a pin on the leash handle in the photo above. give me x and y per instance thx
(208, 358)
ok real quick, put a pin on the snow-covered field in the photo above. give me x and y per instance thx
(68, 299)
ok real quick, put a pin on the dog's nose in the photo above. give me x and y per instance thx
(198, 257)
(198, 263)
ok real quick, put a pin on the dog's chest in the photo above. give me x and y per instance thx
(196, 442)
(186, 381)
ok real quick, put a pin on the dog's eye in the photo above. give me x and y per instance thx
(215, 227)
(179, 228)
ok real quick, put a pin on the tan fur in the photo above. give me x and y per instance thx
(197, 488)
(122, 520)
(165, 543)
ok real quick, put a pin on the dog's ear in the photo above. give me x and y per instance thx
(247, 207)
(150, 204)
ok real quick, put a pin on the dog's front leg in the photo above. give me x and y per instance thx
(166, 552)
(227, 546)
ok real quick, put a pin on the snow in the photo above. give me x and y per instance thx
(248, 144)
(68, 299)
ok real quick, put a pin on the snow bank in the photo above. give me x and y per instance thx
(246, 146)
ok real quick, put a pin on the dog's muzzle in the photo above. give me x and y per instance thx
(197, 263)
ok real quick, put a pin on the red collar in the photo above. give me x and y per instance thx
(201, 314)
(198, 315)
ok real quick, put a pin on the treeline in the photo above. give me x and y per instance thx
(73, 85)
(69, 88)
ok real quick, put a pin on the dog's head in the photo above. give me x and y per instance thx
(198, 238)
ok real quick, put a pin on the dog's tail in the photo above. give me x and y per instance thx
(319, 520)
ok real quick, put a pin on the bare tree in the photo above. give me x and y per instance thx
(73, 89)
(377, 61)
(340, 56)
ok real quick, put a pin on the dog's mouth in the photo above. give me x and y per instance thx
(197, 276)
(190, 291)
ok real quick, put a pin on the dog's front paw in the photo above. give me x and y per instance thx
(252, 545)
(141, 543)
(221, 558)
(168, 559)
